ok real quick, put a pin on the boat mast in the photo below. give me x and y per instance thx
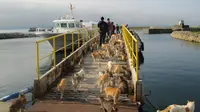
(71, 7)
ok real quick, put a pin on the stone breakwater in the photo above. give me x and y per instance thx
(186, 35)
(16, 35)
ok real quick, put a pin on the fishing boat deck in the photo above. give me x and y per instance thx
(87, 97)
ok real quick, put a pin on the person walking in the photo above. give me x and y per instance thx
(112, 28)
(117, 29)
(103, 29)
(109, 27)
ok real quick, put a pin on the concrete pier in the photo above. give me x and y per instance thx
(157, 30)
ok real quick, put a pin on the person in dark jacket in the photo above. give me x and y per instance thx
(103, 29)
(109, 27)
(113, 28)
(117, 29)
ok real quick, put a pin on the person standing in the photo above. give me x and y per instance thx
(117, 29)
(112, 28)
(109, 27)
(103, 29)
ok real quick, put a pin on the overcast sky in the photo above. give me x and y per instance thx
(41, 13)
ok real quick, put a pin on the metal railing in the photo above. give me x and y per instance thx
(84, 34)
(132, 44)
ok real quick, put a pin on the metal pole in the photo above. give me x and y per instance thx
(137, 76)
(37, 60)
(82, 36)
(133, 53)
(54, 51)
(87, 35)
(78, 38)
(72, 41)
(65, 46)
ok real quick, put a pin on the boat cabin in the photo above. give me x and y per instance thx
(66, 25)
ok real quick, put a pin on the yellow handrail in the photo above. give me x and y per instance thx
(55, 49)
(132, 44)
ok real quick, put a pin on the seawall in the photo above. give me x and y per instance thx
(186, 35)
(157, 30)
(16, 35)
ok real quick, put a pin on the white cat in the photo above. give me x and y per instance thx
(110, 66)
(180, 108)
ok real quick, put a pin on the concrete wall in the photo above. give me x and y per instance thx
(45, 82)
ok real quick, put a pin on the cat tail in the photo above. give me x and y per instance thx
(165, 110)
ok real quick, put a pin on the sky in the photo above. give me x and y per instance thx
(40, 13)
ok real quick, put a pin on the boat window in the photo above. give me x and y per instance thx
(63, 25)
(57, 25)
(41, 29)
(71, 25)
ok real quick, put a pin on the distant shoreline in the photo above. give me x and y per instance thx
(187, 35)
(16, 35)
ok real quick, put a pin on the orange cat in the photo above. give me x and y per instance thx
(114, 92)
(102, 80)
(61, 87)
(95, 55)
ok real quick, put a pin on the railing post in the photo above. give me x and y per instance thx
(133, 62)
(65, 46)
(37, 60)
(83, 36)
(72, 42)
(54, 51)
(78, 38)
(137, 64)
(87, 36)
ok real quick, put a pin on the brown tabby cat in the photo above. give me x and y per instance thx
(107, 106)
(18, 104)
(123, 85)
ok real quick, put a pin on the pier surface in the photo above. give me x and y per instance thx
(87, 97)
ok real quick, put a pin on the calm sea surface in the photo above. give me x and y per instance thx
(171, 71)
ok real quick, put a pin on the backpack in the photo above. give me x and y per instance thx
(103, 27)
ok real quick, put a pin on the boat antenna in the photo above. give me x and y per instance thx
(71, 7)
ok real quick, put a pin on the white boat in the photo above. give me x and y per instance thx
(66, 25)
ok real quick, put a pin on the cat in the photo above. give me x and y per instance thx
(102, 81)
(18, 104)
(77, 78)
(95, 56)
(180, 108)
(110, 66)
(123, 85)
(107, 106)
(118, 69)
(114, 92)
(61, 87)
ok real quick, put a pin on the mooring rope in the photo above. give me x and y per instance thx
(149, 102)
